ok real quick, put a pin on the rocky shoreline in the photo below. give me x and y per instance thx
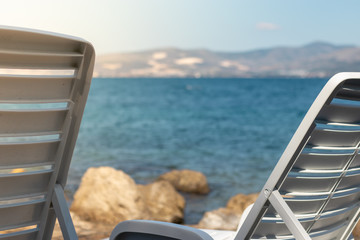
(107, 196)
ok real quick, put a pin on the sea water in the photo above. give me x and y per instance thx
(232, 130)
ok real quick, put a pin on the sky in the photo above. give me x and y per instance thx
(114, 26)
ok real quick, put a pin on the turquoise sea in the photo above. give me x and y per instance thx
(232, 130)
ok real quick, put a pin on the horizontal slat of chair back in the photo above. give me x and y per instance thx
(27, 154)
(302, 204)
(22, 184)
(35, 121)
(28, 235)
(350, 90)
(28, 40)
(308, 184)
(334, 138)
(303, 207)
(356, 162)
(27, 50)
(350, 181)
(336, 219)
(39, 60)
(274, 227)
(333, 232)
(342, 201)
(324, 227)
(340, 113)
(318, 161)
(22, 215)
(35, 88)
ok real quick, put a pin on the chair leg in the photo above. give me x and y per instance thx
(63, 214)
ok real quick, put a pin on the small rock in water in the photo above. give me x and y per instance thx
(187, 181)
(163, 201)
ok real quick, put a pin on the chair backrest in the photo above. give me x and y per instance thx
(44, 83)
(314, 190)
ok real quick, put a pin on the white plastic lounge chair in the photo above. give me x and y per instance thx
(314, 190)
(44, 83)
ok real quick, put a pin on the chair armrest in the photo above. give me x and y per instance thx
(154, 230)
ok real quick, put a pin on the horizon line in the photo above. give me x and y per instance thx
(229, 51)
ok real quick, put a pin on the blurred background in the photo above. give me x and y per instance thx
(212, 86)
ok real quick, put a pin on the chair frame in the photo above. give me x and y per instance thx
(22, 48)
(270, 194)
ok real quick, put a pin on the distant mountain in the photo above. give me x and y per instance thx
(318, 59)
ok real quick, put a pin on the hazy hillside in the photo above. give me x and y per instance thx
(313, 60)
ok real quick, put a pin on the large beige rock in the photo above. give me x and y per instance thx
(240, 202)
(163, 202)
(187, 181)
(227, 218)
(221, 219)
(108, 196)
